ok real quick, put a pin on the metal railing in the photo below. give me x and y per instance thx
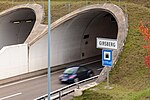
(58, 94)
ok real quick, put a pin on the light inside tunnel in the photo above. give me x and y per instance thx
(75, 39)
(20, 21)
(15, 26)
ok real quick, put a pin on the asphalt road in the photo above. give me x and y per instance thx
(34, 87)
(55, 84)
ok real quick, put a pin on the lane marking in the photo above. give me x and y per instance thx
(10, 96)
(90, 62)
(100, 68)
(22, 81)
(57, 71)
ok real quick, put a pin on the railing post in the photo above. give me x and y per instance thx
(59, 95)
(78, 85)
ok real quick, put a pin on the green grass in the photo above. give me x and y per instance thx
(145, 3)
(130, 70)
(117, 93)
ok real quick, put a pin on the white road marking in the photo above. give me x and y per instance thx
(90, 62)
(57, 72)
(10, 96)
(22, 81)
(100, 68)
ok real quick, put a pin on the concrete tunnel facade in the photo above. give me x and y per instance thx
(73, 37)
(21, 27)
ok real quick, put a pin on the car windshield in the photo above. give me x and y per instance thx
(71, 70)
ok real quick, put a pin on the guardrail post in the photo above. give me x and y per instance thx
(59, 95)
(78, 86)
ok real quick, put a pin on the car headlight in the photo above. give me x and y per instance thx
(72, 76)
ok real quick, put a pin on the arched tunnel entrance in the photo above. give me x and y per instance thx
(77, 36)
(15, 26)
(97, 23)
(73, 37)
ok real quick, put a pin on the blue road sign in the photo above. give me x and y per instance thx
(107, 58)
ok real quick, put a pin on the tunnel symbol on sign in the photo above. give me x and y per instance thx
(106, 55)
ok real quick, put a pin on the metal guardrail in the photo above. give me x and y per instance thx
(58, 94)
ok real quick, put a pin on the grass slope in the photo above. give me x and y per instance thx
(130, 70)
(117, 93)
(145, 3)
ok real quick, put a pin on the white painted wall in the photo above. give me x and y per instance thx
(38, 54)
(13, 60)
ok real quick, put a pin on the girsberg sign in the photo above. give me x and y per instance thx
(106, 43)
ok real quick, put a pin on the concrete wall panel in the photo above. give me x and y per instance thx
(13, 60)
(38, 55)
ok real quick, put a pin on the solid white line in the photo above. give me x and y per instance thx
(10, 96)
(57, 71)
(90, 62)
(22, 81)
(100, 68)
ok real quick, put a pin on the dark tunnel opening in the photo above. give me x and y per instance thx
(101, 24)
(77, 36)
(15, 26)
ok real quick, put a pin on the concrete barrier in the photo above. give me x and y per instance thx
(13, 60)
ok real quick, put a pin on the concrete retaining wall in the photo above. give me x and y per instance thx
(13, 60)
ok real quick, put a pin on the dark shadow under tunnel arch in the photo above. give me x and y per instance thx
(75, 39)
(101, 24)
(15, 26)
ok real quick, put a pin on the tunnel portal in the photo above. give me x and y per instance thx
(15, 26)
(73, 37)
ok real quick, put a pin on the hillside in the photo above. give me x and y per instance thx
(145, 3)
(130, 70)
